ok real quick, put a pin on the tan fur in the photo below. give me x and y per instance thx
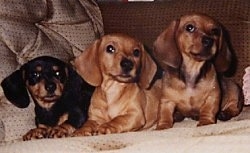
(39, 92)
(190, 84)
(121, 102)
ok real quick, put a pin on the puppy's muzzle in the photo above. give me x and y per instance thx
(207, 42)
(50, 87)
(126, 65)
(205, 52)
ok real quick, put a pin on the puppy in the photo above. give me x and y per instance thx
(125, 99)
(193, 52)
(60, 95)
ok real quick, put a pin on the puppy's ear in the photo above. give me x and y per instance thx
(165, 48)
(148, 70)
(87, 64)
(15, 89)
(76, 90)
(224, 55)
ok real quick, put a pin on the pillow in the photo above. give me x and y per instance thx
(58, 28)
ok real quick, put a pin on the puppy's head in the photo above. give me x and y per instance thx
(117, 57)
(195, 36)
(44, 77)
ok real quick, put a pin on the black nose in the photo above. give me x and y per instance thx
(207, 42)
(127, 65)
(50, 87)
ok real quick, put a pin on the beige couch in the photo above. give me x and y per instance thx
(31, 28)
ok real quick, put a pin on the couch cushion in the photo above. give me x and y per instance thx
(28, 29)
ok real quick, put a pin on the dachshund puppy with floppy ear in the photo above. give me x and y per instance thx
(126, 98)
(193, 53)
(60, 95)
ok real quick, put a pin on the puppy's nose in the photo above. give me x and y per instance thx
(50, 87)
(207, 41)
(127, 65)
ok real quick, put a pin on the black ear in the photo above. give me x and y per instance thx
(76, 97)
(15, 90)
(77, 90)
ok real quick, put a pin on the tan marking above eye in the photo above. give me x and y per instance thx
(55, 68)
(39, 68)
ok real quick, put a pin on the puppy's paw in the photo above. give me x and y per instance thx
(60, 131)
(203, 122)
(37, 133)
(85, 131)
(163, 126)
(224, 115)
(107, 129)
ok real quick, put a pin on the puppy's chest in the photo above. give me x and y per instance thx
(117, 97)
(114, 91)
(50, 118)
(191, 94)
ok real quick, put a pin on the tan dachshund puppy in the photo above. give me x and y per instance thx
(192, 51)
(125, 99)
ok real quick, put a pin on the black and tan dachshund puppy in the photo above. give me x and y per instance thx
(60, 95)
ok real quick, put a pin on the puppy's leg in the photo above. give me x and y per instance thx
(63, 130)
(166, 111)
(232, 100)
(37, 133)
(88, 129)
(209, 110)
(68, 123)
(123, 123)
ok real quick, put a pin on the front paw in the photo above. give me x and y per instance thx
(108, 129)
(61, 131)
(37, 133)
(84, 131)
(224, 115)
(203, 122)
(163, 126)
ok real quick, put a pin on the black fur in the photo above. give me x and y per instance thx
(74, 100)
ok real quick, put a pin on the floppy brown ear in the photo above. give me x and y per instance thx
(224, 55)
(165, 47)
(148, 70)
(87, 66)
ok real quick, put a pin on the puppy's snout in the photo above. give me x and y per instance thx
(126, 65)
(207, 42)
(50, 87)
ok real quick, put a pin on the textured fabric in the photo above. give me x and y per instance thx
(147, 20)
(15, 122)
(32, 28)
(184, 137)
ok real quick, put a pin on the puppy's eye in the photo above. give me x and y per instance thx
(216, 31)
(136, 52)
(57, 73)
(36, 75)
(110, 49)
(190, 28)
